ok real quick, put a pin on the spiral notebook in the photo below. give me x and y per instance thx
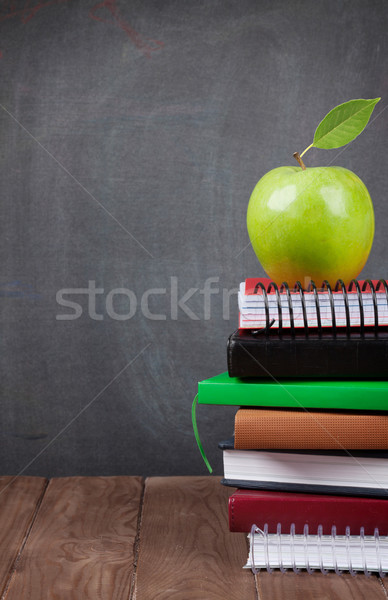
(264, 305)
(353, 553)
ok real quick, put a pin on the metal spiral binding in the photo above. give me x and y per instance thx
(268, 324)
(279, 302)
(284, 289)
(379, 553)
(341, 284)
(333, 552)
(284, 286)
(312, 286)
(298, 286)
(331, 300)
(360, 305)
(374, 299)
(290, 542)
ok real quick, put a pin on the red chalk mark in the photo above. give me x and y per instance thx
(29, 10)
(146, 45)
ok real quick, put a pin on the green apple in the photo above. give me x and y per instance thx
(314, 223)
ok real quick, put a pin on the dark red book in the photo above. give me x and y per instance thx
(248, 507)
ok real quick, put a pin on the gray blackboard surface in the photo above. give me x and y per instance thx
(132, 135)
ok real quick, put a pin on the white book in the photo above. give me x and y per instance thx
(362, 472)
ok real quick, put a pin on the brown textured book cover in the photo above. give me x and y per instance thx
(258, 428)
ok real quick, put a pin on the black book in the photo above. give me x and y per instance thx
(327, 353)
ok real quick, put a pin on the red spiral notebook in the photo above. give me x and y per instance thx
(262, 304)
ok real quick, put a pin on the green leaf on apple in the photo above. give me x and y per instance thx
(342, 124)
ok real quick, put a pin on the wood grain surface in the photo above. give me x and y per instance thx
(384, 583)
(186, 549)
(81, 544)
(98, 538)
(302, 586)
(19, 500)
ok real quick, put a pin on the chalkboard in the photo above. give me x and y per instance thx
(132, 135)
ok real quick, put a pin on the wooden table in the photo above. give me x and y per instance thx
(124, 538)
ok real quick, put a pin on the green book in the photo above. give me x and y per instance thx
(295, 393)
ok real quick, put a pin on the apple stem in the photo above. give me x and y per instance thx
(308, 148)
(297, 157)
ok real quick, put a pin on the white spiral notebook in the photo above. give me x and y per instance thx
(354, 553)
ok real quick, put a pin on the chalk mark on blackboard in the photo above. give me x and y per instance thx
(16, 289)
(29, 10)
(146, 45)
(75, 180)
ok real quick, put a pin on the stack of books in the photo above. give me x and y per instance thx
(308, 371)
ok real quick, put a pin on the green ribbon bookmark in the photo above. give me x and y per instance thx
(195, 428)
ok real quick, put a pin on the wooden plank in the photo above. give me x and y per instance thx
(81, 545)
(302, 586)
(186, 549)
(384, 583)
(19, 499)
